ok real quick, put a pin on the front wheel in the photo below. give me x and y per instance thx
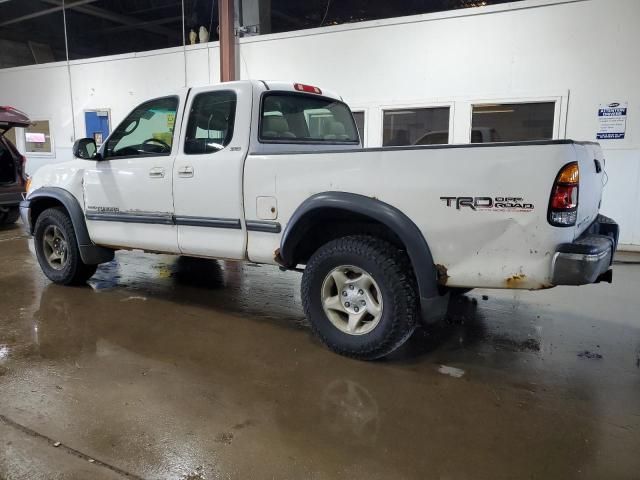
(359, 294)
(57, 249)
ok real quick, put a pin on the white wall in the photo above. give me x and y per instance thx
(582, 53)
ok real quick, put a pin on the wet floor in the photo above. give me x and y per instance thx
(172, 368)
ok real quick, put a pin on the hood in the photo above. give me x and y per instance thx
(11, 117)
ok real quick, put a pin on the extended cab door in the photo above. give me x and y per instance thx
(128, 194)
(208, 171)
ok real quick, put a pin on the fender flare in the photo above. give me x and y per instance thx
(90, 253)
(415, 244)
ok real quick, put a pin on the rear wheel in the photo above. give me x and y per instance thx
(57, 249)
(359, 295)
(9, 215)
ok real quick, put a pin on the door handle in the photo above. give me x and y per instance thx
(156, 172)
(186, 171)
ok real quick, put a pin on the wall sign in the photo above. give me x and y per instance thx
(97, 125)
(612, 121)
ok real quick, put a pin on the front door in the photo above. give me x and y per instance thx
(208, 172)
(128, 194)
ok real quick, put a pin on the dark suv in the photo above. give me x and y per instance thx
(13, 178)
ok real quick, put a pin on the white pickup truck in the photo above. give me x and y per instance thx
(275, 173)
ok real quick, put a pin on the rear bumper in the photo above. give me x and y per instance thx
(589, 258)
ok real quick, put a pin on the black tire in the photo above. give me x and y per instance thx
(390, 269)
(9, 216)
(74, 271)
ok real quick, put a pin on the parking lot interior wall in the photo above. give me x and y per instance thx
(579, 53)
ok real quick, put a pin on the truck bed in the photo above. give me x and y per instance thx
(446, 190)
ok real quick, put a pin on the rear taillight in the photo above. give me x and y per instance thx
(563, 204)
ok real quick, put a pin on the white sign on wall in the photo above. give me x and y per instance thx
(612, 121)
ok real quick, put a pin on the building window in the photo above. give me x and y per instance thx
(37, 138)
(416, 126)
(358, 117)
(512, 122)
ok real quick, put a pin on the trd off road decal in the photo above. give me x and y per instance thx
(491, 204)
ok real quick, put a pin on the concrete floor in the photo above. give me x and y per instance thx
(178, 369)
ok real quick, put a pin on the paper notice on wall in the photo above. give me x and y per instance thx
(612, 121)
(34, 137)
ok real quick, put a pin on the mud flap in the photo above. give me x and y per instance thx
(434, 309)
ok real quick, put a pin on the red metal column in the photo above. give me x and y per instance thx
(227, 41)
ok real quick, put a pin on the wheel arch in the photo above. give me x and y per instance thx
(403, 230)
(48, 197)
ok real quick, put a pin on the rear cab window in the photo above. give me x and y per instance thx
(290, 117)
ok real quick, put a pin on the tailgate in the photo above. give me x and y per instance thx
(592, 178)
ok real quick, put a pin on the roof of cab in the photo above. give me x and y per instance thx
(278, 85)
(289, 87)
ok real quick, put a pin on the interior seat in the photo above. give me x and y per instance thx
(337, 131)
(276, 127)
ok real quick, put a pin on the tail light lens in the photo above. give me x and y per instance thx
(307, 88)
(563, 204)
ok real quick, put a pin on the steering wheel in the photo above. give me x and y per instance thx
(164, 145)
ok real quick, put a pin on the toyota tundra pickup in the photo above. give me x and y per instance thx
(274, 173)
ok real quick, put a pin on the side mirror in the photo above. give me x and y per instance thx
(86, 149)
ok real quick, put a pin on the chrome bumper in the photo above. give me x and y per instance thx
(589, 258)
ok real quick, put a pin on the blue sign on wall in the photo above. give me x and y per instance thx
(97, 125)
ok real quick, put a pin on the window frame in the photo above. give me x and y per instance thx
(364, 113)
(103, 148)
(261, 139)
(559, 117)
(51, 153)
(417, 106)
(233, 126)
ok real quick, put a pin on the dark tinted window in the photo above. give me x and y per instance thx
(415, 126)
(292, 117)
(147, 130)
(211, 119)
(512, 122)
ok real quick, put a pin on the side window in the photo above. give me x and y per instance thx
(300, 118)
(416, 126)
(147, 130)
(211, 119)
(512, 122)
